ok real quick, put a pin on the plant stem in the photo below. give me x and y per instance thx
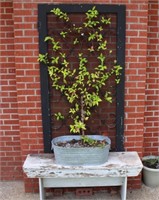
(82, 112)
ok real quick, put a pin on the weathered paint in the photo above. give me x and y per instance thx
(119, 164)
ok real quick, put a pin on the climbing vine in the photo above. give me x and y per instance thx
(81, 86)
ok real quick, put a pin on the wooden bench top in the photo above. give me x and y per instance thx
(120, 164)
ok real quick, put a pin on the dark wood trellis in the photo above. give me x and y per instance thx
(119, 11)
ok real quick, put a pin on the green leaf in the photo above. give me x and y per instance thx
(63, 34)
(76, 41)
(72, 111)
(77, 126)
(60, 14)
(102, 45)
(48, 38)
(55, 60)
(59, 116)
(92, 36)
(106, 21)
(43, 58)
(56, 46)
(65, 63)
(101, 57)
(108, 97)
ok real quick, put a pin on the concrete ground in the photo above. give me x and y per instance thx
(15, 191)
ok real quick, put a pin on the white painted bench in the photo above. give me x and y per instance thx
(120, 165)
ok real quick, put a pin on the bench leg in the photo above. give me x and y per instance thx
(124, 189)
(41, 189)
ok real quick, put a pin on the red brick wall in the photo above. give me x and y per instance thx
(136, 52)
(28, 81)
(10, 151)
(27, 77)
(20, 79)
(151, 135)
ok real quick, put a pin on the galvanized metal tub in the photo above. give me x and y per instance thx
(80, 155)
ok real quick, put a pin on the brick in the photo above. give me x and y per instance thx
(31, 32)
(23, 26)
(84, 192)
(22, 12)
(29, 5)
(140, 13)
(58, 192)
(27, 40)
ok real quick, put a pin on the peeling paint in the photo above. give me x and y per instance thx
(120, 164)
